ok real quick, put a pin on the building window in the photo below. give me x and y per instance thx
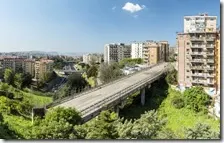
(188, 43)
(187, 76)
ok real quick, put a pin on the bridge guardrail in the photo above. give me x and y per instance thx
(57, 102)
(119, 94)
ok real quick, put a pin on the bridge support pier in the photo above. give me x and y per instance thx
(117, 109)
(142, 96)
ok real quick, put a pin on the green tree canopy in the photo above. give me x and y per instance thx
(58, 124)
(109, 72)
(201, 131)
(102, 127)
(9, 76)
(196, 99)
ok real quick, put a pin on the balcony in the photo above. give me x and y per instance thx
(210, 61)
(210, 46)
(197, 39)
(210, 83)
(197, 67)
(210, 38)
(210, 53)
(198, 74)
(209, 68)
(197, 60)
(197, 46)
(198, 81)
(210, 75)
(197, 53)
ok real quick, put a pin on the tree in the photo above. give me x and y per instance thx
(171, 77)
(18, 80)
(146, 127)
(102, 127)
(22, 80)
(109, 72)
(9, 76)
(27, 79)
(201, 131)
(76, 81)
(130, 62)
(92, 71)
(178, 102)
(196, 99)
(5, 132)
(57, 124)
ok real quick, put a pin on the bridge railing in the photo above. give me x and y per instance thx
(120, 94)
(60, 101)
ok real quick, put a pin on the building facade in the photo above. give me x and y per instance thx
(42, 67)
(196, 51)
(116, 52)
(137, 50)
(92, 57)
(155, 52)
(21, 65)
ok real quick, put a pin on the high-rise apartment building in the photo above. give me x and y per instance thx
(116, 52)
(155, 52)
(217, 61)
(196, 51)
(137, 50)
(42, 67)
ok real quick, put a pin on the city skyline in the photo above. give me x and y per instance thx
(86, 26)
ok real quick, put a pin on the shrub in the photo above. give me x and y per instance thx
(178, 102)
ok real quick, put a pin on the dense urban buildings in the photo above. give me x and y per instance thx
(87, 58)
(196, 51)
(17, 64)
(42, 67)
(151, 52)
(116, 52)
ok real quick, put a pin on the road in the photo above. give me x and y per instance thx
(91, 98)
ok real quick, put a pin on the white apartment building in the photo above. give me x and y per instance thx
(137, 50)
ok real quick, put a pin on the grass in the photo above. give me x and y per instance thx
(37, 100)
(19, 125)
(23, 125)
(179, 119)
(159, 98)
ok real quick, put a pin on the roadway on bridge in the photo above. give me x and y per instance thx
(94, 97)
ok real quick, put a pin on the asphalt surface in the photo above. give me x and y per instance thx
(91, 98)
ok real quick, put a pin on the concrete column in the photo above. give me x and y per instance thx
(142, 96)
(116, 109)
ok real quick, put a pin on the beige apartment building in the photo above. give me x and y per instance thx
(42, 67)
(196, 51)
(217, 61)
(18, 64)
(155, 52)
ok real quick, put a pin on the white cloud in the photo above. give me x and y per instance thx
(113, 8)
(133, 7)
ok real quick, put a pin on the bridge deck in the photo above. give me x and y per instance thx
(94, 97)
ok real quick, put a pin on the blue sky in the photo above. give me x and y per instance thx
(86, 25)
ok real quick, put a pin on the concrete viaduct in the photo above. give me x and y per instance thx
(114, 94)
